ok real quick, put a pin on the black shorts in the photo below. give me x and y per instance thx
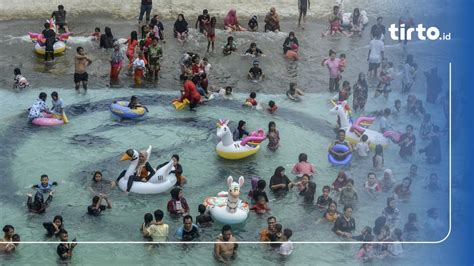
(303, 10)
(373, 66)
(61, 24)
(80, 77)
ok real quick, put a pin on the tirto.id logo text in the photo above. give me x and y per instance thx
(406, 34)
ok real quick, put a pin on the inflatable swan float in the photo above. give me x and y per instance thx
(160, 182)
(227, 207)
(229, 149)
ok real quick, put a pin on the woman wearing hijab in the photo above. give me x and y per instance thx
(231, 23)
(107, 39)
(143, 172)
(38, 205)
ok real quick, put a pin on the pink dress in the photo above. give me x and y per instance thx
(302, 168)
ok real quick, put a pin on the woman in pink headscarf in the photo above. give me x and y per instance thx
(231, 23)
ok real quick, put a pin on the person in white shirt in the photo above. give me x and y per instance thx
(362, 147)
(384, 123)
(376, 55)
(286, 248)
(38, 107)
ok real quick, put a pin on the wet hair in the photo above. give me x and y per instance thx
(54, 94)
(302, 157)
(97, 29)
(291, 34)
(287, 233)
(412, 217)
(60, 7)
(389, 199)
(341, 131)
(261, 184)
(95, 173)
(43, 176)
(409, 181)
(379, 223)
(332, 202)
(346, 207)
(342, 56)
(148, 218)
(201, 208)
(176, 156)
(292, 85)
(346, 83)
(278, 228)
(271, 218)
(133, 98)
(241, 124)
(158, 215)
(364, 138)
(62, 232)
(187, 217)
(213, 21)
(253, 95)
(175, 193)
(46, 25)
(327, 187)
(38, 201)
(278, 171)
(16, 238)
(253, 45)
(79, 48)
(58, 217)
(386, 111)
(108, 32)
(397, 232)
(226, 228)
(271, 103)
(205, 11)
(270, 125)
(371, 173)
(43, 96)
(378, 151)
(181, 15)
(332, 52)
(134, 35)
(230, 38)
(350, 181)
(228, 88)
(7, 228)
(16, 71)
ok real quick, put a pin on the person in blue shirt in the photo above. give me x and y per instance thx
(189, 231)
(45, 186)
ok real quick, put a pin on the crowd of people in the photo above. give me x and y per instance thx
(144, 59)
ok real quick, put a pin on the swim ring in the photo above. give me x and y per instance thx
(227, 148)
(160, 182)
(59, 47)
(227, 207)
(120, 109)
(179, 105)
(340, 148)
(47, 120)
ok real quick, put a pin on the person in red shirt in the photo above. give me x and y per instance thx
(191, 93)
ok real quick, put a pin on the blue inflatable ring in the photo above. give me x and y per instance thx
(340, 148)
(120, 109)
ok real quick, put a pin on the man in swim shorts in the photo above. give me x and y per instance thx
(223, 250)
(80, 73)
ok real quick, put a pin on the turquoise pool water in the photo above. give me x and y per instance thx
(95, 141)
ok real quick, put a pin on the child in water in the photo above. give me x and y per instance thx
(57, 108)
(324, 200)
(203, 219)
(372, 185)
(342, 64)
(391, 213)
(230, 46)
(294, 93)
(45, 186)
(252, 100)
(96, 34)
(255, 73)
(272, 107)
(260, 207)
(253, 24)
(273, 136)
(362, 147)
(20, 81)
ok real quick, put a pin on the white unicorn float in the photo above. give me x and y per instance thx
(354, 131)
(233, 150)
(160, 182)
(227, 207)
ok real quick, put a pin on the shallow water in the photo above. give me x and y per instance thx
(93, 140)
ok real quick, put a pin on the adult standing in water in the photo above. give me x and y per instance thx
(303, 6)
(80, 68)
(145, 7)
(272, 21)
(225, 247)
(50, 37)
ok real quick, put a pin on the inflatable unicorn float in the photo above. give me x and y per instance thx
(354, 130)
(227, 207)
(229, 149)
(160, 182)
(39, 40)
